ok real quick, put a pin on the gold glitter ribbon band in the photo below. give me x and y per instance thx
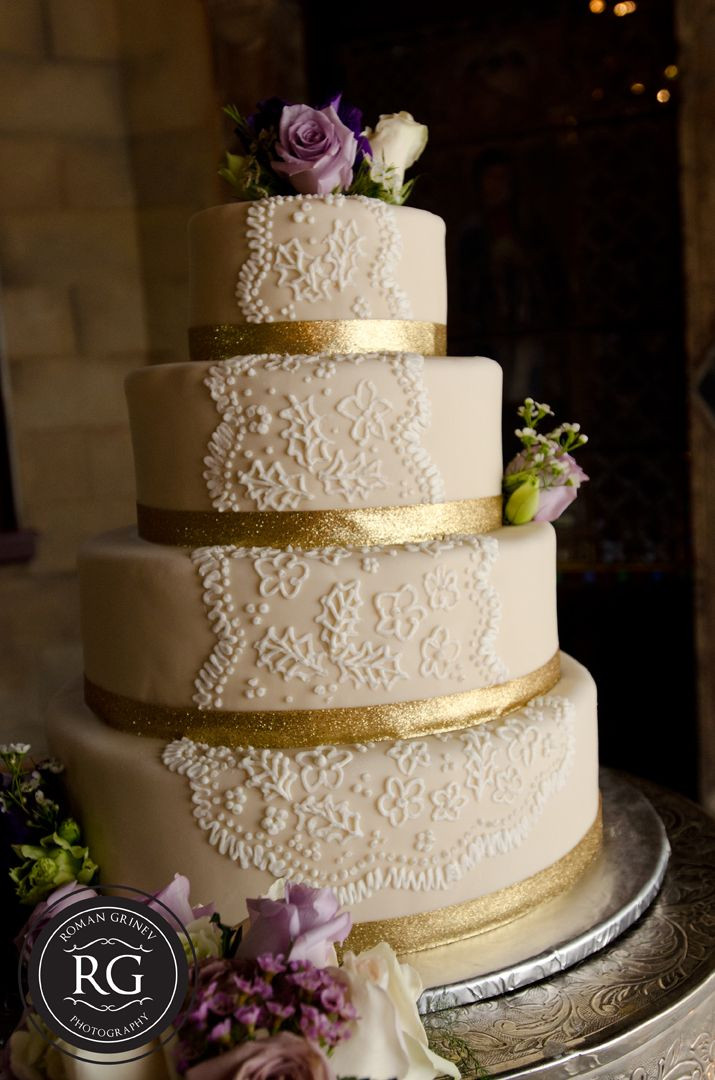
(414, 933)
(212, 343)
(307, 529)
(291, 728)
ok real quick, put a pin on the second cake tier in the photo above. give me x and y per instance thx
(282, 433)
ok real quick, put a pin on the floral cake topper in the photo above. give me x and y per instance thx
(317, 151)
(543, 479)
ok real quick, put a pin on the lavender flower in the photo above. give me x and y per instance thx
(175, 897)
(302, 925)
(57, 901)
(238, 1000)
(271, 964)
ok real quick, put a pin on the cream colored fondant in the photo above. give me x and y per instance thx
(374, 261)
(146, 821)
(238, 628)
(430, 433)
(398, 828)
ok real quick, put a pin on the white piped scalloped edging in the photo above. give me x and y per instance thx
(413, 815)
(319, 267)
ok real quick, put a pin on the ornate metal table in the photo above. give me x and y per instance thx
(642, 1009)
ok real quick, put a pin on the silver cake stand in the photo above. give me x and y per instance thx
(609, 898)
(642, 1008)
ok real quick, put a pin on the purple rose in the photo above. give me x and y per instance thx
(63, 897)
(175, 897)
(285, 1055)
(553, 500)
(317, 149)
(304, 925)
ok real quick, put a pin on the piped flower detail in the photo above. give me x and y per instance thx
(399, 612)
(448, 803)
(283, 573)
(401, 800)
(439, 655)
(367, 411)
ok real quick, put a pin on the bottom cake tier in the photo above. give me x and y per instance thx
(426, 840)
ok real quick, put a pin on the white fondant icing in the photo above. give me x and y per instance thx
(286, 254)
(135, 595)
(487, 808)
(340, 651)
(317, 433)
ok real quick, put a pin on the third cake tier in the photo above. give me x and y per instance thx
(245, 629)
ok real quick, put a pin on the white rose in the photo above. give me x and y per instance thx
(388, 1040)
(206, 938)
(396, 143)
(32, 1057)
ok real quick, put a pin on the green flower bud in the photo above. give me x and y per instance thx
(236, 164)
(43, 872)
(523, 503)
(235, 171)
(87, 871)
(66, 865)
(54, 862)
(69, 830)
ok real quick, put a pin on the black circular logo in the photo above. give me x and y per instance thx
(108, 974)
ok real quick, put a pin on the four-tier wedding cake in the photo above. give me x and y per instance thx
(321, 655)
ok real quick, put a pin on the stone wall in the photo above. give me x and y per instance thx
(108, 131)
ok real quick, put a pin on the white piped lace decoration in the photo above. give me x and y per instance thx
(284, 616)
(292, 813)
(317, 267)
(347, 441)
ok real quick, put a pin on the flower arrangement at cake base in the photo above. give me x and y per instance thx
(270, 999)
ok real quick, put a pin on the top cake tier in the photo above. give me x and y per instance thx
(320, 257)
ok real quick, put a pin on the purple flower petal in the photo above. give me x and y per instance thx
(317, 150)
(553, 501)
(351, 116)
(267, 114)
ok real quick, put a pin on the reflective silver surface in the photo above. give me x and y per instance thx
(608, 899)
(642, 1008)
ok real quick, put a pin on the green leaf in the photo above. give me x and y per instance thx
(233, 114)
(29, 851)
(364, 184)
(406, 190)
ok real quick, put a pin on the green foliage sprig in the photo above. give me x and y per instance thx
(365, 184)
(251, 173)
(230, 936)
(58, 856)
